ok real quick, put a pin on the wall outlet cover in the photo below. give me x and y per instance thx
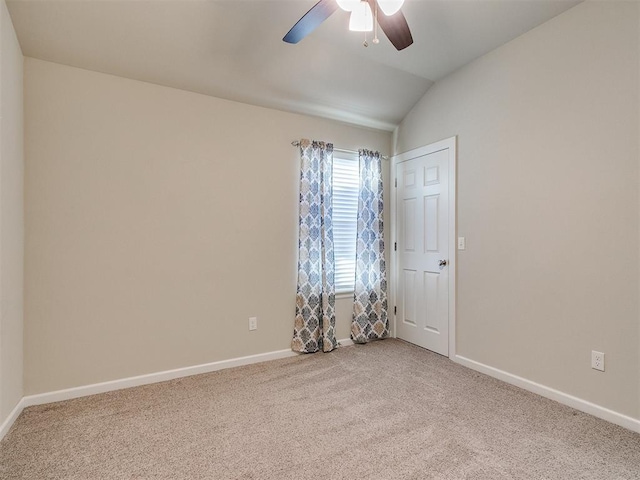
(253, 323)
(597, 360)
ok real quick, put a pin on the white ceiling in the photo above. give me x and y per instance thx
(234, 49)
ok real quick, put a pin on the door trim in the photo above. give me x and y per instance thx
(448, 143)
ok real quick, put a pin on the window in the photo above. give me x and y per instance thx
(346, 184)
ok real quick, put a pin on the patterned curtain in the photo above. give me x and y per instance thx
(370, 319)
(314, 327)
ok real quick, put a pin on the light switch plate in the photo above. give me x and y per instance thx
(462, 243)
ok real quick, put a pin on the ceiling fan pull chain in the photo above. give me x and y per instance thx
(365, 43)
(376, 40)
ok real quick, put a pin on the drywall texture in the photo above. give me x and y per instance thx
(11, 216)
(548, 159)
(157, 222)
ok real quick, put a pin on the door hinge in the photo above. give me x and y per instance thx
(396, 182)
(395, 246)
(395, 310)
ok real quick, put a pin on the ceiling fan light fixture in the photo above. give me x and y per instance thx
(348, 5)
(390, 7)
(361, 19)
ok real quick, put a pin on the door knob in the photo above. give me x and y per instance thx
(442, 263)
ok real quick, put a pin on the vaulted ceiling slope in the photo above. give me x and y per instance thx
(234, 49)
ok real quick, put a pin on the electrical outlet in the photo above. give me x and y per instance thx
(597, 360)
(253, 323)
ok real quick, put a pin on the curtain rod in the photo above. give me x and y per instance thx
(296, 143)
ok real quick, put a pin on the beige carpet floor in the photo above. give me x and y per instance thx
(387, 410)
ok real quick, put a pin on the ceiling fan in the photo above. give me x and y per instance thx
(364, 16)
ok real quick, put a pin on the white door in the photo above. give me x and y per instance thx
(422, 223)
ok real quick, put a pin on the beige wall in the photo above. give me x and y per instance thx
(548, 159)
(157, 222)
(11, 216)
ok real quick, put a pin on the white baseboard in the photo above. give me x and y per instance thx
(93, 389)
(8, 422)
(85, 390)
(70, 393)
(147, 379)
(547, 392)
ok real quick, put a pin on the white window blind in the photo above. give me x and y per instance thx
(345, 210)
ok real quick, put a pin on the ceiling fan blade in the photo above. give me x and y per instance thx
(394, 27)
(308, 23)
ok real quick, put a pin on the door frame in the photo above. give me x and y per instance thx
(451, 144)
